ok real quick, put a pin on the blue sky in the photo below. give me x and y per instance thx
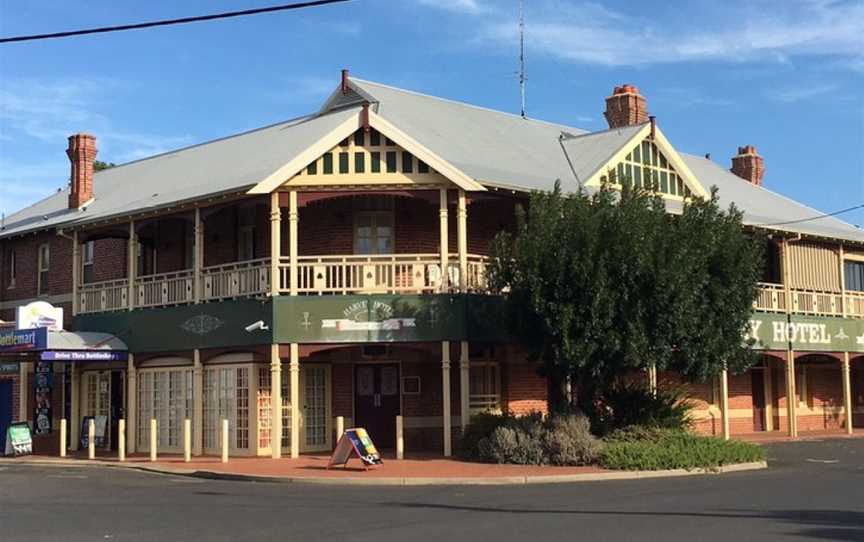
(785, 76)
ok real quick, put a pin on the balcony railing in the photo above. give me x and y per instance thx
(237, 279)
(109, 295)
(772, 298)
(393, 273)
(165, 289)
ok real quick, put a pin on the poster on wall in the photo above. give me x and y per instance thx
(18, 440)
(42, 384)
(355, 440)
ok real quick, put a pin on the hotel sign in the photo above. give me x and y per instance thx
(807, 333)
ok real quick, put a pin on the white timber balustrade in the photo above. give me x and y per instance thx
(108, 295)
(236, 279)
(162, 289)
(772, 298)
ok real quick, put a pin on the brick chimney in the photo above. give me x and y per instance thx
(625, 107)
(748, 165)
(82, 154)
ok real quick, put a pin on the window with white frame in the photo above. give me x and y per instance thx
(484, 386)
(645, 166)
(44, 265)
(246, 233)
(13, 269)
(226, 396)
(373, 232)
(165, 395)
(87, 251)
(264, 402)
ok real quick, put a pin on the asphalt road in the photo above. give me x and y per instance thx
(813, 491)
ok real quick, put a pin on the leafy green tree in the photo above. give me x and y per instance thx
(598, 285)
(98, 165)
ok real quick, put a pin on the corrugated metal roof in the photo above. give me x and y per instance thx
(493, 147)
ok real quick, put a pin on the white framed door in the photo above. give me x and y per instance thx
(97, 400)
(315, 412)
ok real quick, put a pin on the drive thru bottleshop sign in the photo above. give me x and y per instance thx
(807, 333)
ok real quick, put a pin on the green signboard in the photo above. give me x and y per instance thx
(19, 441)
(369, 318)
(205, 325)
(807, 333)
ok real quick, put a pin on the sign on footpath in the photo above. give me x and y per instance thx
(18, 439)
(356, 441)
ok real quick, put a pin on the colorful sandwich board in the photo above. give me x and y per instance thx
(19, 440)
(356, 441)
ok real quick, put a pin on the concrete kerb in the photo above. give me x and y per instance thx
(403, 481)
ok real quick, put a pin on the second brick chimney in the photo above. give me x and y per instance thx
(625, 107)
(82, 154)
(748, 165)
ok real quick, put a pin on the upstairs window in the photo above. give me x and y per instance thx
(854, 274)
(87, 251)
(373, 232)
(43, 267)
(13, 271)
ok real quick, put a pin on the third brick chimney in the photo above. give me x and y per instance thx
(748, 165)
(625, 107)
(82, 154)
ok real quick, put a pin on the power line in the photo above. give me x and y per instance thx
(826, 215)
(167, 22)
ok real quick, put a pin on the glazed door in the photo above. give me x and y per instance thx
(315, 403)
(757, 380)
(377, 402)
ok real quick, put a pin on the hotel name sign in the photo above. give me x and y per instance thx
(807, 333)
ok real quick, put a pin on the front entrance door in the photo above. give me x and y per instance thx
(104, 398)
(315, 427)
(5, 411)
(757, 382)
(376, 396)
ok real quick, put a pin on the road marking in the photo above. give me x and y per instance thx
(825, 461)
(76, 476)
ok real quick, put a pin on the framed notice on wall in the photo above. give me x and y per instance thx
(42, 414)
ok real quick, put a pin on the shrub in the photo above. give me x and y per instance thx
(568, 441)
(529, 440)
(657, 449)
(628, 404)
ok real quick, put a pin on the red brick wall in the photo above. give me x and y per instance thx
(343, 389)
(109, 259)
(523, 390)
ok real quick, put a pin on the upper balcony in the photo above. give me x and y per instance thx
(330, 244)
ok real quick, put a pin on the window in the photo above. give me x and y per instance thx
(359, 162)
(373, 232)
(484, 386)
(328, 163)
(374, 137)
(407, 162)
(226, 396)
(359, 138)
(312, 169)
(146, 259)
(44, 265)
(646, 167)
(422, 167)
(854, 273)
(376, 162)
(343, 162)
(166, 396)
(391, 162)
(246, 233)
(87, 251)
(13, 271)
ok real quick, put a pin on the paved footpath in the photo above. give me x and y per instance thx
(812, 491)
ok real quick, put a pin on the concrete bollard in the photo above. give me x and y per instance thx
(187, 440)
(153, 440)
(121, 440)
(91, 439)
(63, 437)
(400, 439)
(340, 427)
(224, 441)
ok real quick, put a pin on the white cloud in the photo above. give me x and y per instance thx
(458, 6)
(590, 33)
(36, 114)
(798, 93)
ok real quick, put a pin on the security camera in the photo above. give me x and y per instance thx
(259, 325)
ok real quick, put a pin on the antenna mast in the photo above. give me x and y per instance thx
(522, 54)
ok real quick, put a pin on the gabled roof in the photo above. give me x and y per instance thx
(479, 146)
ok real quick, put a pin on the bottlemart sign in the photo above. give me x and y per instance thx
(807, 333)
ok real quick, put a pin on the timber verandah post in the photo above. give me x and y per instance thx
(131, 262)
(444, 239)
(462, 240)
(131, 405)
(198, 260)
(791, 394)
(847, 393)
(445, 383)
(464, 385)
(197, 403)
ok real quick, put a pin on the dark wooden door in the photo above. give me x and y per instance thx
(376, 402)
(5, 411)
(757, 381)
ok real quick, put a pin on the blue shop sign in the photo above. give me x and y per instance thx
(23, 340)
(83, 355)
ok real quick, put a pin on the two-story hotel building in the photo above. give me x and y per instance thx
(333, 265)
